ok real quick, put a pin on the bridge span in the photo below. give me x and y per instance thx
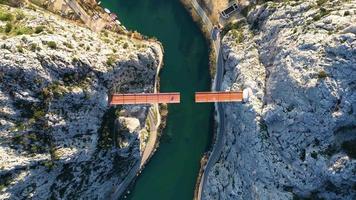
(144, 98)
(202, 97)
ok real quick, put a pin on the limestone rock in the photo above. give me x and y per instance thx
(295, 137)
(58, 135)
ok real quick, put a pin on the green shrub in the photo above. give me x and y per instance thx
(230, 26)
(117, 41)
(349, 148)
(106, 34)
(323, 12)
(35, 148)
(21, 30)
(302, 154)
(8, 27)
(69, 78)
(52, 44)
(38, 114)
(106, 40)
(106, 134)
(330, 150)
(32, 136)
(263, 126)
(33, 47)
(244, 12)
(49, 164)
(321, 2)
(54, 153)
(24, 39)
(317, 17)
(39, 29)
(322, 75)
(17, 139)
(75, 59)
(20, 126)
(314, 155)
(56, 90)
(68, 45)
(125, 45)
(110, 61)
(212, 64)
(20, 16)
(20, 49)
(5, 16)
(238, 35)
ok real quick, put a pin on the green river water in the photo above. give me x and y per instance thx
(171, 173)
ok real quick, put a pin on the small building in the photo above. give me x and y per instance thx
(228, 11)
(95, 17)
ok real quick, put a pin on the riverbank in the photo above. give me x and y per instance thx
(215, 65)
(206, 29)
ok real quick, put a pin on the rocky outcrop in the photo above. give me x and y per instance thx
(295, 138)
(59, 138)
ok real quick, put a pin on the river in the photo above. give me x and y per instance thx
(172, 172)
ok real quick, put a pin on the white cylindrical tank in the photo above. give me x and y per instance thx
(246, 93)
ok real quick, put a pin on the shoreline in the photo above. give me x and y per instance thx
(187, 4)
(214, 58)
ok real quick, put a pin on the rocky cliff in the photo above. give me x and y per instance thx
(59, 138)
(296, 136)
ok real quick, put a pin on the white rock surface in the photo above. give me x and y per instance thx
(56, 129)
(289, 140)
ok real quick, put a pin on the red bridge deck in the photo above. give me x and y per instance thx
(201, 97)
(144, 98)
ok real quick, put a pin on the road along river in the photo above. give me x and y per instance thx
(171, 174)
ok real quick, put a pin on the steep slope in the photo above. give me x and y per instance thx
(296, 136)
(59, 138)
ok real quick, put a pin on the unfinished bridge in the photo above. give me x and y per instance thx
(206, 97)
(144, 98)
(173, 97)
